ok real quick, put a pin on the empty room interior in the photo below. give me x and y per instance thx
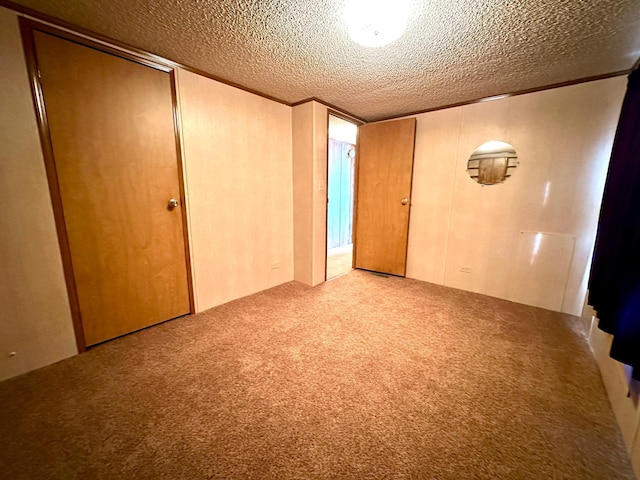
(342, 239)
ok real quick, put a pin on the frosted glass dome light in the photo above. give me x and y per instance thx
(374, 23)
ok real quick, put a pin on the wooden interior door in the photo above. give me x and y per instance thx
(385, 169)
(112, 132)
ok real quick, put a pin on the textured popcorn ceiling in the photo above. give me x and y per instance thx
(453, 51)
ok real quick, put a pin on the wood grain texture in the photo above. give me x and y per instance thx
(27, 28)
(112, 130)
(385, 165)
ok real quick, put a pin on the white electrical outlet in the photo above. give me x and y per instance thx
(465, 269)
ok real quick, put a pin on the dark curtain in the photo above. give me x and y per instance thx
(614, 284)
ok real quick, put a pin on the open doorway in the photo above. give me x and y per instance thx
(340, 195)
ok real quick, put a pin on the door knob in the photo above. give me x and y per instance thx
(173, 203)
(404, 201)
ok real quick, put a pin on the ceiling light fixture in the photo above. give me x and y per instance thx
(374, 23)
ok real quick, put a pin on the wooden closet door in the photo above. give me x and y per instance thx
(113, 137)
(385, 170)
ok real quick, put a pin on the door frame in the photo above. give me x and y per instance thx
(27, 28)
(357, 123)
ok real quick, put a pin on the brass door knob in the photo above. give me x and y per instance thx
(173, 203)
(404, 201)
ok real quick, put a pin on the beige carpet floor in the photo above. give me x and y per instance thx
(363, 377)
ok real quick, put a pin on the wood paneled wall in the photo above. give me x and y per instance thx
(478, 238)
(35, 319)
(310, 132)
(302, 165)
(237, 154)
